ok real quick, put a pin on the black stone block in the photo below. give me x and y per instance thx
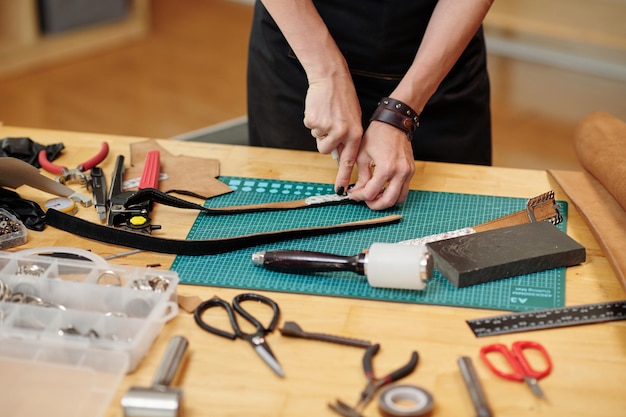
(506, 252)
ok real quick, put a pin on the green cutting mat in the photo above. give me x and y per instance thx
(424, 213)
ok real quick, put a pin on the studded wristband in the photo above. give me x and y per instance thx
(397, 114)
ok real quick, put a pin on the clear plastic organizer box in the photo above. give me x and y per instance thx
(80, 303)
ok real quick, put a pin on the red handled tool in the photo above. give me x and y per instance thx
(74, 174)
(521, 369)
(151, 171)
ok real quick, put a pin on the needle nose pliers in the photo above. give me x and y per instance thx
(373, 383)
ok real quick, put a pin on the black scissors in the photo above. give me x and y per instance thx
(373, 383)
(256, 339)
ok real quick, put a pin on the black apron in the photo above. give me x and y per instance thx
(379, 40)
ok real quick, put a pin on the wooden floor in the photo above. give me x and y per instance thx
(190, 73)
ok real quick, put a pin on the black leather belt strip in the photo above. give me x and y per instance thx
(115, 236)
(153, 195)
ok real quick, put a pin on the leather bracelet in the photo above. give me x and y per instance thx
(397, 114)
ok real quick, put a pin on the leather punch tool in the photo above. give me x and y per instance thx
(78, 174)
(123, 212)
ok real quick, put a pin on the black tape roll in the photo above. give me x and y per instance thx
(405, 401)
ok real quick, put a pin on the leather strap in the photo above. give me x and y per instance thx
(147, 242)
(152, 194)
(397, 114)
(540, 208)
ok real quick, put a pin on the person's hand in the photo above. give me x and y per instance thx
(385, 166)
(333, 113)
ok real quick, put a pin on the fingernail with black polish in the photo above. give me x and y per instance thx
(340, 190)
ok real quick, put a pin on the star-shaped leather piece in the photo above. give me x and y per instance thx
(188, 173)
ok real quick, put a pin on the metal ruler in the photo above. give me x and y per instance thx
(549, 318)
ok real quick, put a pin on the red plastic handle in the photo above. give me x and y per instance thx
(516, 372)
(517, 360)
(151, 171)
(42, 157)
(518, 352)
(104, 151)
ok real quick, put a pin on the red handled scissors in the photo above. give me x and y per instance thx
(521, 369)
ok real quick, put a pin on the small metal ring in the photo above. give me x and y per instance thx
(159, 283)
(5, 291)
(105, 275)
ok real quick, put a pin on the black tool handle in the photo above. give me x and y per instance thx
(118, 178)
(393, 376)
(307, 261)
(292, 329)
(99, 186)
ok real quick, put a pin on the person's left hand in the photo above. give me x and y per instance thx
(333, 114)
(385, 167)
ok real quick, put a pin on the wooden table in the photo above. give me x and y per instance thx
(224, 378)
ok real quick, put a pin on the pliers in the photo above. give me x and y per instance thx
(373, 383)
(74, 174)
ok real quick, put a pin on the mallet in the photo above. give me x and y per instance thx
(386, 265)
(159, 400)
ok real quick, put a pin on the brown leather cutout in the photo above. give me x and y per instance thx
(185, 172)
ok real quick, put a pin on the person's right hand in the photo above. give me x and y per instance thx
(333, 113)
(385, 166)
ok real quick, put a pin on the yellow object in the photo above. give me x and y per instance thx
(62, 204)
(138, 221)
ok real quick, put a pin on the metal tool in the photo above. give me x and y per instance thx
(132, 216)
(256, 339)
(386, 265)
(99, 189)
(521, 369)
(549, 318)
(373, 383)
(78, 174)
(160, 399)
(474, 387)
(292, 329)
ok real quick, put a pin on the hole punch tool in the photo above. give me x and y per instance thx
(134, 216)
(67, 175)
(256, 339)
(373, 383)
(159, 400)
(521, 369)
